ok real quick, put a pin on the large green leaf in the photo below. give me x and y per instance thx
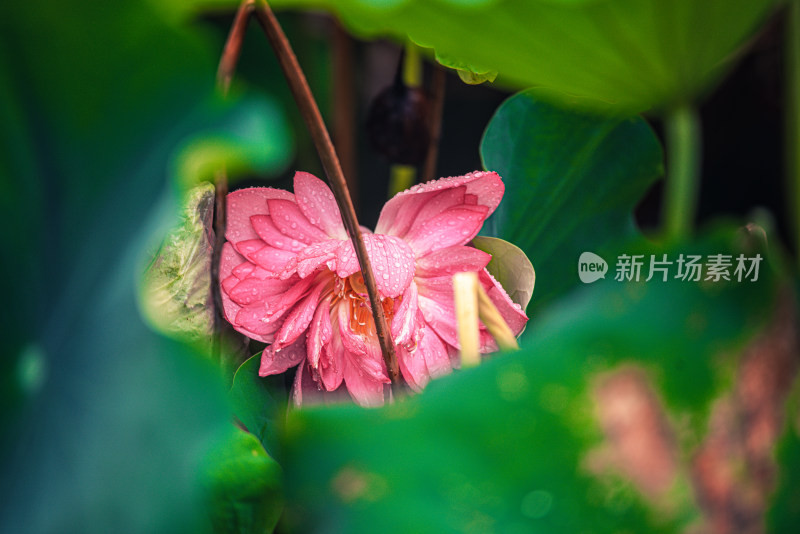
(247, 136)
(572, 181)
(244, 486)
(510, 266)
(252, 403)
(513, 445)
(105, 424)
(620, 55)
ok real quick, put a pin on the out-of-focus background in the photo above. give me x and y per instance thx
(631, 407)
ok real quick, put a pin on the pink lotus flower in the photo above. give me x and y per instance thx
(290, 278)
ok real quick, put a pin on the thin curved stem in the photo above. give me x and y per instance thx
(684, 147)
(330, 162)
(233, 46)
(225, 71)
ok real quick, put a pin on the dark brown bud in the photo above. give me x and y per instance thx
(397, 124)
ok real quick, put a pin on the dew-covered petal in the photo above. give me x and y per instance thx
(513, 314)
(228, 284)
(317, 203)
(270, 234)
(439, 312)
(455, 356)
(398, 215)
(229, 260)
(451, 260)
(299, 319)
(243, 204)
(276, 360)
(302, 377)
(365, 349)
(455, 226)
(271, 259)
(391, 258)
(404, 322)
(249, 246)
(314, 256)
(320, 331)
(329, 363)
(265, 337)
(297, 290)
(427, 358)
(413, 368)
(251, 270)
(251, 290)
(290, 221)
(331, 368)
(352, 341)
(242, 270)
(434, 284)
(255, 318)
(346, 259)
(365, 389)
(437, 203)
(434, 351)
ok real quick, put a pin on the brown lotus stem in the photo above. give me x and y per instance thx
(225, 71)
(330, 162)
(233, 46)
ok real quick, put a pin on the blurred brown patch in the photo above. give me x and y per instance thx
(733, 470)
(640, 443)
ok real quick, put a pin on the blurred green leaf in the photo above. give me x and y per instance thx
(468, 73)
(510, 266)
(613, 55)
(244, 486)
(784, 509)
(252, 403)
(572, 181)
(511, 446)
(247, 136)
(104, 423)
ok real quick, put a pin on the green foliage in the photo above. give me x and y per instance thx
(572, 181)
(244, 486)
(507, 446)
(510, 266)
(784, 510)
(468, 74)
(252, 403)
(109, 427)
(105, 424)
(613, 55)
(247, 136)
